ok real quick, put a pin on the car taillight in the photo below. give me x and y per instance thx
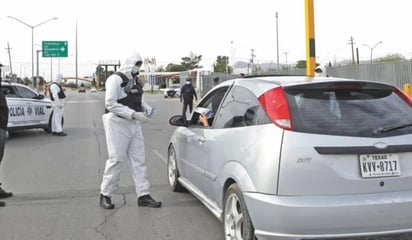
(276, 106)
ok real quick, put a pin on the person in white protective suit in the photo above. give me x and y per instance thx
(320, 71)
(126, 110)
(58, 97)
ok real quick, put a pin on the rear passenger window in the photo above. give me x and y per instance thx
(348, 111)
(240, 109)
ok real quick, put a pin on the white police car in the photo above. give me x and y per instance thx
(27, 109)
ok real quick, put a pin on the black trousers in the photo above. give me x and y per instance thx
(187, 104)
(2, 142)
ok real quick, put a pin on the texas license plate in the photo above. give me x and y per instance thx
(379, 165)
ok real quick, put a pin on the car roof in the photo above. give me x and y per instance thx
(295, 80)
(8, 82)
(260, 84)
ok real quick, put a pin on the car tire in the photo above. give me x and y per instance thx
(10, 134)
(173, 171)
(48, 129)
(236, 219)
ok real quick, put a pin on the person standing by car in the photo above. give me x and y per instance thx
(126, 110)
(58, 97)
(187, 93)
(4, 117)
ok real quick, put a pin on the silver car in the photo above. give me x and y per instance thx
(299, 158)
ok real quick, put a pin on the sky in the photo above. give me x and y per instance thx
(169, 30)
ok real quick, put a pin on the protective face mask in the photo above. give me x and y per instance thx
(187, 82)
(135, 70)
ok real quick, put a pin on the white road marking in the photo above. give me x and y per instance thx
(83, 101)
(163, 158)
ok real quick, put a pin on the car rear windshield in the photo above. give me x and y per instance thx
(361, 109)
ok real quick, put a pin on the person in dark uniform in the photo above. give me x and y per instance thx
(187, 93)
(4, 118)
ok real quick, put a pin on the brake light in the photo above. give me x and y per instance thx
(351, 86)
(276, 107)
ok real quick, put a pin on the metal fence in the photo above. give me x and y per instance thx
(395, 73)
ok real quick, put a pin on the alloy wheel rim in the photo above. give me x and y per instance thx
(233, 218)
(172, 168)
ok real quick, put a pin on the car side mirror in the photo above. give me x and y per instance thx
(40, 97)
(178, 120)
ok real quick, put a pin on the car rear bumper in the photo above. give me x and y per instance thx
(172, 94)
(322, 217)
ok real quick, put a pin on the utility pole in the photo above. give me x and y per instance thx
(277, 41)
(371, 48)
(252, 55)
(51, 71)
(353, 53)
(37, 71)
(11, 68)
(77, 63)
(232, 58)
(286, 58)
(310, 38)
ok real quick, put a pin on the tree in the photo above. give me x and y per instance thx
(191, 62)
(301, 64)
(27, 81)
(100, 74)
(391, 58)
(171, 67)
(160, 69)
(221, 65)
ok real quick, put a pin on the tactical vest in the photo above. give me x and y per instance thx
(60, 93)
(134, 96)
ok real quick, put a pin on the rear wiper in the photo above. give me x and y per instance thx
(380, 130)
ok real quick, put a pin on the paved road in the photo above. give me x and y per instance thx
(56, 184)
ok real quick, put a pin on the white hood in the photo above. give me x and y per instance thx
(320, 71)
(58, 79)
(128, 63)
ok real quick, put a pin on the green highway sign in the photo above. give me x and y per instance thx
(55, 48)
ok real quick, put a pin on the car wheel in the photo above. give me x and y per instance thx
(236, 220)
(10, 134)
(173, 171)
(48, 129)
